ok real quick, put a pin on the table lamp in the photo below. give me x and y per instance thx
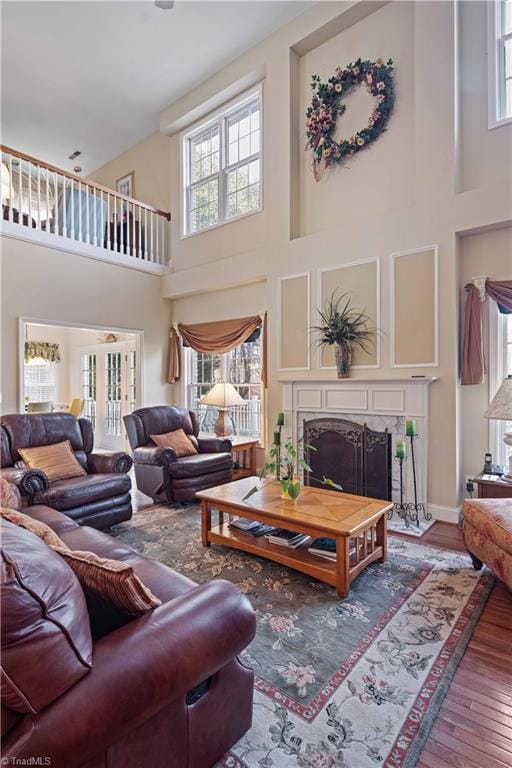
(223, 396)
(501, 408)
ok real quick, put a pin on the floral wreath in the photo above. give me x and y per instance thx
(326, 106)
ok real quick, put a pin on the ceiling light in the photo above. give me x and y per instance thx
(165, 5)
(77, 169)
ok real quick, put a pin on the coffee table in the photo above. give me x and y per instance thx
(357, 523)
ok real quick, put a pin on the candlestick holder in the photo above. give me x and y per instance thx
(400, 507)
(414, 508)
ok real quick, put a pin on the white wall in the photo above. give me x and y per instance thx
(47, 285)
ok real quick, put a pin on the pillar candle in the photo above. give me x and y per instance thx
(280, 419)
(410, 428)
(400, 449)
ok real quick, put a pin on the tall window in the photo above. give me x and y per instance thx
(500, 61)
(223, 167)
(500, 366)
(89, 386)
(39, 379)
(240, 367)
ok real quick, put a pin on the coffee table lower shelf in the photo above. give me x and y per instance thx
(339, 573)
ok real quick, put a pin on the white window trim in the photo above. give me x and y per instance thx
(496, 376)
(186, 385)
(495, 63)
(232, 106)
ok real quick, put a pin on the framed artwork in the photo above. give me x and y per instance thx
(126, 184)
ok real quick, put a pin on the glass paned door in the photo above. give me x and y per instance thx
(109, 389)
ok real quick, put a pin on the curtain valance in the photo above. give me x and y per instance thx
(215, 338)
(473, 364)
(49, 352)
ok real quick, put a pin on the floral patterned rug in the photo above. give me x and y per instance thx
(348, 683)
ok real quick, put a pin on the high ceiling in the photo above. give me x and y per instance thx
(94, 75)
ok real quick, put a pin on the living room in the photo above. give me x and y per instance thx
(236, 192)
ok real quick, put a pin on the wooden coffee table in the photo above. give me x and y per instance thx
(357, 523)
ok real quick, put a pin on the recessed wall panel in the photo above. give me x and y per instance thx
(414, 323)
(294, 322)
(360, 282)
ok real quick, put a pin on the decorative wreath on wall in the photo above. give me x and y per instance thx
(327, 106)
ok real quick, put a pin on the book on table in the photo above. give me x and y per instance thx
(252, 527)
(290, 539)
(325, 547)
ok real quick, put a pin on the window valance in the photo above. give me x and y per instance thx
(500, 291)
(49, 352)
(214, 338)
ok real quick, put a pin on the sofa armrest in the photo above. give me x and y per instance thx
(27, 481)
(106, 463)
(214, 445)
(153, 454)
(138, 670)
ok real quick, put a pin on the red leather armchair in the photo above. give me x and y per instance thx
(164, 690)
(159, 473)
(100, 498)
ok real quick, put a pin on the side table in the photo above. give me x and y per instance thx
(493, 487)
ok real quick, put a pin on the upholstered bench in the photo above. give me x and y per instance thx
(487, 532)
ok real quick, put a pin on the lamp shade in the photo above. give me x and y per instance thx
(501, 405)
(223, 396)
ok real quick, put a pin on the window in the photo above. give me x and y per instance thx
(500, 366)
(242, 368)
(89, 384)
(500, 61)
(39, 378)
(223, 167)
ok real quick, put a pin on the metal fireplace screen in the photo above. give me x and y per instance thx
(351, 454)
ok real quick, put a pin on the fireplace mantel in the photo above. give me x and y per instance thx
(381, 403)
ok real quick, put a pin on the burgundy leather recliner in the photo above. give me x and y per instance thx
(159, 473)
(85, 687)
(100, 498)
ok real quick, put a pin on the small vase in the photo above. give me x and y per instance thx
(343, 355)
(290, 489)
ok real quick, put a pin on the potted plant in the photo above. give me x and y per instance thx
(287, 462)
(344, 327)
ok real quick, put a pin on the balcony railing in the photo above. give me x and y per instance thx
(47, 204)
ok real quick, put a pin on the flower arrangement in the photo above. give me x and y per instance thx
(327, 106)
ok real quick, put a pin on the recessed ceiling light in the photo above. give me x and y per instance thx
(165, 5)
(77, 169)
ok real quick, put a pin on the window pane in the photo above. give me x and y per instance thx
(39, 382)
(508, 57)
(243, 189)
(204, 154)
(243, 133)
(204, 205)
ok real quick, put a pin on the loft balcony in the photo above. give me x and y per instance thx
(49, 206)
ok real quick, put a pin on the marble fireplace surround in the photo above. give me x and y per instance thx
(379, 403)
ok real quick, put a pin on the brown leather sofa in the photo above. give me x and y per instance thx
(83, 687)
(158, 471)
(100, 498)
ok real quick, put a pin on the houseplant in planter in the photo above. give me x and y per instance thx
(344, 327)
(286, 461)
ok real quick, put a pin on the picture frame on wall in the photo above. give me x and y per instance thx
(126, 184)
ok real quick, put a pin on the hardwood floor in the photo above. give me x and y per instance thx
(474, 726)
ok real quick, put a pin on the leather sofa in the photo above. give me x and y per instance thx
(100, 498)
(159, 473)
(164, 689)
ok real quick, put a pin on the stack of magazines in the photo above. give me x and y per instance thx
(324, 548)
(250, 526)
(290, 539)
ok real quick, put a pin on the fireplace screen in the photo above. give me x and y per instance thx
(350, 454)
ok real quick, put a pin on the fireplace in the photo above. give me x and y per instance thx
(349, 453)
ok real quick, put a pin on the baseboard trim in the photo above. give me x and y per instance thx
(444, 514)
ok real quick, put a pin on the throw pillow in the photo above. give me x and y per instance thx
(178, 440)
(113, 581)
(40, 529)
(57, 461)
(9, 494)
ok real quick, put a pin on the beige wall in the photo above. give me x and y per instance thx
(43, 284)
(150, 161)
(490, 254)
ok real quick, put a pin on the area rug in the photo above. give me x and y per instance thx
(348, 683)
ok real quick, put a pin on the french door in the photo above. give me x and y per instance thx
(109, 385)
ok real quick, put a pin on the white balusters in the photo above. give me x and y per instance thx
(11, 201)
(38, 197)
